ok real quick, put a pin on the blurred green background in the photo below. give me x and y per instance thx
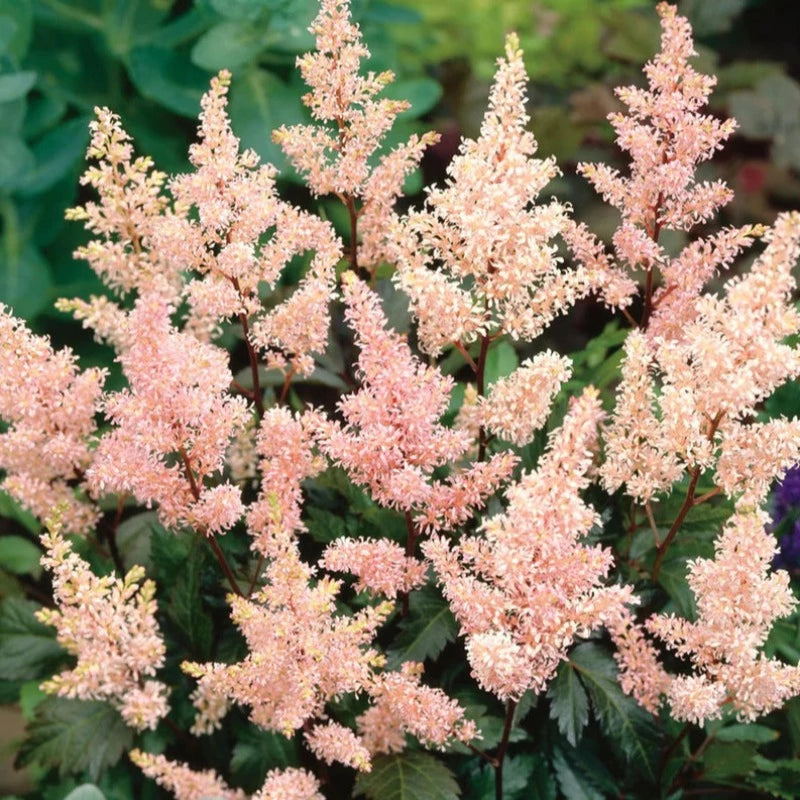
(150, 60)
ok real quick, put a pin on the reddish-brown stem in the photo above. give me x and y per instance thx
(481, 379)
(412, 533)
(258, 398)
(651, 519)
(286, 383)
(688, 503)
(256, 575)
(482, 753)
(467, 357)
(350, 205)
(212, 540)
(628, 316)
(707, 496)
(501, 750)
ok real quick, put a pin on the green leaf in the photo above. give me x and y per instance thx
(324, 526)
(726, 759)
(28, 648)
(576, 779)
(134, 538)
(19, 555)
(740, 732)
(256, 752)
(260, 103)
(242, 9)
(56, 153)
(185, 606)
(430, 625)
(228, 45)
(622, 719)
(16, 84)
(86, 791)
(422, 93)
(407, 776)
(75, 735)
(16, 26)
(569, 704)
(501, 361)
(168, 78)
(16, 160)
(25, 282)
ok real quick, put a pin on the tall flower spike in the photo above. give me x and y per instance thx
(127, 216)
(109, 625)
(392, 439)
(335, 155)
(525, 589)
(497, 269)
(172, 426)
(666, 135)
(49, 408)
(237, 203)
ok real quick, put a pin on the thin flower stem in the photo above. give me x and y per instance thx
(651, 519)
(286, 383)
(212, 540)
(501, 749)
(411, 542)
(688, 504)
(481, 379)
(256, 575)
(467, 357)
(707, 496)
(628, 316)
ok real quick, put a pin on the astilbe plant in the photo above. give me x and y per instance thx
(524, 558)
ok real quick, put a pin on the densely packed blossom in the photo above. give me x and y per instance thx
(49, 407)
(392, 439)
(172, 426)
(284, 444)
(480, 258)
(738, 600)
(527, 587)
(109, 625)
(335, 154)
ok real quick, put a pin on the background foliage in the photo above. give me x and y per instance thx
(150, 60)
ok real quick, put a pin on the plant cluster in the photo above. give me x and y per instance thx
(345, 588)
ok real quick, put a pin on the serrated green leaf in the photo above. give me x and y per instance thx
(324, 526)
(422, 93)
(569, 704)
(622, 719)
(185, 607)
(726, 759)
(19, 555)
(256, 752)
(16, 160)
(75, 735)
(574, 778)
(28, 649)
(407, 776)
(429, 627)
(740, 732)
